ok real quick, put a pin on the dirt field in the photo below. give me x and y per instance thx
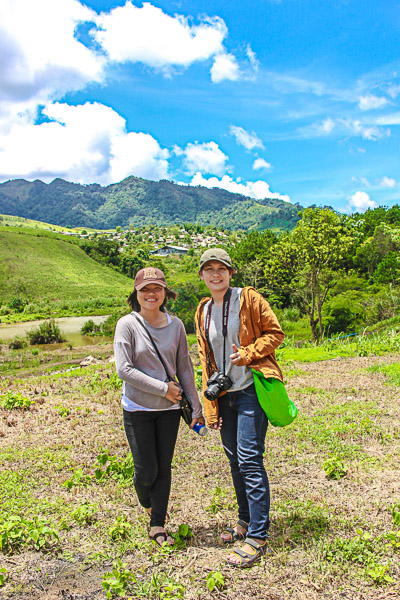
(329, 538)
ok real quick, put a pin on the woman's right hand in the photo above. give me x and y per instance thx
(216, 425)
(174, 392)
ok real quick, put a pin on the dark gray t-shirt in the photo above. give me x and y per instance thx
(137, 363)
(241, 377)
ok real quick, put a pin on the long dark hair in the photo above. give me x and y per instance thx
(134, 304)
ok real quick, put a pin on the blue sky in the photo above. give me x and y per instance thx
(296, 99)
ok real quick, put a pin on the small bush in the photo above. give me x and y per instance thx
(17, 344)
(90, 328)
(345, 313)
(47, 333)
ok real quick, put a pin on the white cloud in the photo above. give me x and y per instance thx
(363, 180)
(207, 158)
(85, 143)
(41, 58)
(344, 127)
(327, 126)
(361, 201)
(365, 131)
(254, 62)
(387, 182)
(254, 189)
(369, 102)
(260, 163)
(146, 34)
(225, 66)
(246, 139)
(318, 129)
(392, 119)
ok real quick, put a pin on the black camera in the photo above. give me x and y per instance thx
(217, 383)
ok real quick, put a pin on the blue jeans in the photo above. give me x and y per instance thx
(244, 427)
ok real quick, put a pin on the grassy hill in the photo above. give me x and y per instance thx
(140, 202)
(44, 266)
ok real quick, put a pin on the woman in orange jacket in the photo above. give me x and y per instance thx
(242, 320)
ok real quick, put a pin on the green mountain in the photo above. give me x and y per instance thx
(140, 202)
(44, 265)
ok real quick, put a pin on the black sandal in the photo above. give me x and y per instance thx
(161, 534)
(248, 559)
(235, 536)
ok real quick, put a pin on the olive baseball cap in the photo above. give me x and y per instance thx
(215, 254)
(149, 275)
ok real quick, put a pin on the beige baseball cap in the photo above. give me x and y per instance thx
(215, 254)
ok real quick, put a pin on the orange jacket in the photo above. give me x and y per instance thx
(259, 335)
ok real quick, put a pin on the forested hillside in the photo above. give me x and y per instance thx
(138, 202)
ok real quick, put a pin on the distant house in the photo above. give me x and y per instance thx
(166, 250)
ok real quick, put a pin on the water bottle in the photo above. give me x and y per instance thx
(200, 429)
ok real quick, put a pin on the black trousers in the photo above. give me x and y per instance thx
(152, 436)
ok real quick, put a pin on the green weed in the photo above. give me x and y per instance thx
(63, 411)
(78, 479)
(113, 382)
(121, 582)
(121, 530)
(334, 468)
(84, 514)
(117, 581)
(16, 532)
(116, 468)
(11, 400)
(3, 576)
(217, 501)
(393, 538)
(361, 549)
(396, 513)
(377, 572)
(215, 579)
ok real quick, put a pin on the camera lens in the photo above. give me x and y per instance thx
(212, 392)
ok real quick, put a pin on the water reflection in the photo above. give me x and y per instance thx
(70, 328)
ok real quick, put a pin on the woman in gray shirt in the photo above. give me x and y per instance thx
(150, 401)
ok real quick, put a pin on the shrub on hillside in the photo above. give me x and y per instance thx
(344, 313)
(47, 333)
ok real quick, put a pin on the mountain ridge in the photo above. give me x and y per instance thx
(139, 202)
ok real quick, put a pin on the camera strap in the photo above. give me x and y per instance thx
(225, 316)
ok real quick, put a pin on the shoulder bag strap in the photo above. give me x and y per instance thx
(138, 320)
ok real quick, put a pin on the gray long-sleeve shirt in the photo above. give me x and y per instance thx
(137, 363)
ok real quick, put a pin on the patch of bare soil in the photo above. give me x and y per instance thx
(344, 411)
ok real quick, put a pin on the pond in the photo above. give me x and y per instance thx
(70, 328)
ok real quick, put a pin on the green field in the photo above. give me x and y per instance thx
(44, 266)
(70, 523)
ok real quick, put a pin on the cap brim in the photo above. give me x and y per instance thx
(202, 265)
(142, 285)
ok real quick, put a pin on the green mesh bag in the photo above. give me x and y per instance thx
(275, 402)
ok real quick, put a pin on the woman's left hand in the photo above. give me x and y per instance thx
(198, 420)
